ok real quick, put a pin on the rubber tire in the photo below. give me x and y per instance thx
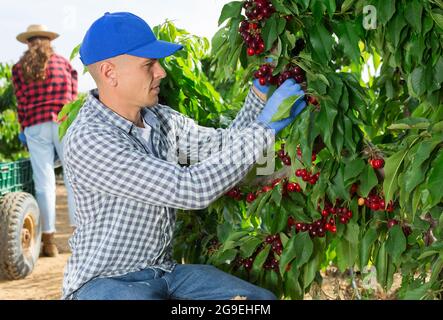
(14, 207)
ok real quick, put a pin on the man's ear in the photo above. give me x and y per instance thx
(107, 70)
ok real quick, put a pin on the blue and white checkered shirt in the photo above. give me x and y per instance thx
(127, 189)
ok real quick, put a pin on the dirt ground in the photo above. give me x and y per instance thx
(45, 282)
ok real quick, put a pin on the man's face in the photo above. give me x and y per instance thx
(139, 80)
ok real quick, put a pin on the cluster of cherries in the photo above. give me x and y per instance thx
(284, 156)
(306, 176)
(377, 163)
(235, 194)
(250, 33)
(275, 242)
(317, 228)
(265, 76)
(376, 203)
(256, 11)
(344, 214)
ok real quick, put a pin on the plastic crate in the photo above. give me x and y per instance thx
(16, 176)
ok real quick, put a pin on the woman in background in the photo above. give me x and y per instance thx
(43, 82)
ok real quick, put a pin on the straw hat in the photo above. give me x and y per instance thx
(35, 30)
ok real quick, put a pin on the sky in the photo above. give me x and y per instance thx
(71, 19)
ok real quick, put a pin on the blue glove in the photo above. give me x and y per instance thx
(22, 138)
(263, 89)
(287, 89)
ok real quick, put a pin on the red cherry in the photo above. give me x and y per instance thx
(391, 223)
(286, 160)
(291, 187)
(266, 188)
(262, 81)
(325, 213)
(298, 172)
(312, 100)
(297, 187)
(251, 197)
(281, 153)
(250, 51)
(348, 214)
(333, 229)
(299, 78)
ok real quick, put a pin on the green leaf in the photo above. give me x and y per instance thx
(330, 6)
(346, 254)
(348, 32)
(438, 18)
(227, 256)
(415, 174)
(352, 232)
(288, 254)
(366, 245)
(385, 10)
(395, 28)
(270, 32)
(368, 180)
(413, 14)
(309, 271)
(260, 259)
(338, 186)
(276, 195)
(438, 71)
(318, 8)
(382, 265)
(392, 169)
(303, 248)
(321, 41)
(75, 51)
(410, 123)
(435, 179)
(284, 109)
(396, 243)
(292, 285)
(231, 9)
(354, 168)
(417, 293)
(249, 246)
(416, 82)
(346, 5)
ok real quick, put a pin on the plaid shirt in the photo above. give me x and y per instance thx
(127, 189)
(41, 101)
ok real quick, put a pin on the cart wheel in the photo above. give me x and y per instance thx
(20, 235)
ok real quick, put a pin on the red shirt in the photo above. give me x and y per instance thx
(41, 101)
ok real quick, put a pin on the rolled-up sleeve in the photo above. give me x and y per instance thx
(104, 160)
(196, 143)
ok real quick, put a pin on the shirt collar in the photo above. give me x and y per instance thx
(116, 119)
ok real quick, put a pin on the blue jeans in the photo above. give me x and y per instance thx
(43, 142)
(185, 282)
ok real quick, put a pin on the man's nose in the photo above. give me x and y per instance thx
(159, 72)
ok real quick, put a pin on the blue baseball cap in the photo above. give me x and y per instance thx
(122, 33)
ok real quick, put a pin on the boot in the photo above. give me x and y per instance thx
(49, 248)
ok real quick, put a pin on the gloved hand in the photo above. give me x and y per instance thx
(22, 138)
(287, 89)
